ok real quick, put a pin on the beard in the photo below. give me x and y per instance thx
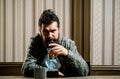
(50, 40)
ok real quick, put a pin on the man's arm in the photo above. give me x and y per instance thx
(31, 59)
(29, 64)
(75, 60)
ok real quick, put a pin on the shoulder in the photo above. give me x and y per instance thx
(36, 36)
(35, 39)
(65, 41)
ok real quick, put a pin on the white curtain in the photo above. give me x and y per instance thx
(105, 32)
(19, 21)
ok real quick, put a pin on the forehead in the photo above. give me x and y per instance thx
(53, 25)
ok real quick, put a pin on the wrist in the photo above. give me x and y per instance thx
(66, 52)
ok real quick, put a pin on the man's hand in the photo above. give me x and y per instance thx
(60, 74)
(58, 49)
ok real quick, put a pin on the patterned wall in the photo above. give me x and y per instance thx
(105, 32)
(19, 21)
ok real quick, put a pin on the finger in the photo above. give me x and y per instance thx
(60, 74)
(57, 51)
(55, 48)
(53, 44)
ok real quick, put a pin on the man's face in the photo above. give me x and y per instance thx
(51, 32)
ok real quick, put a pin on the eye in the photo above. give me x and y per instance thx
(45, 31)
(53, 31)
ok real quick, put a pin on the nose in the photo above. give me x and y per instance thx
(50, 35)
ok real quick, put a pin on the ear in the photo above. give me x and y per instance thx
(39, 31)
(59, 29)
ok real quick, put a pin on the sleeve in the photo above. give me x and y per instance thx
(30, 61)
(75, 60)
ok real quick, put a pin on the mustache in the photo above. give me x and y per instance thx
(50, 40)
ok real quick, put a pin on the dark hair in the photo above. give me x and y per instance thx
(47, 17)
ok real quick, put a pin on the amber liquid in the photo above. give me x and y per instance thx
(50, 52)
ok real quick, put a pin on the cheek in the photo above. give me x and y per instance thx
(45, 36)
(56, 34)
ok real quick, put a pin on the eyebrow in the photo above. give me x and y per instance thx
(48, 30)
(45, 30)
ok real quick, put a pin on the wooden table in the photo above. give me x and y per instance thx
(87, 77)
